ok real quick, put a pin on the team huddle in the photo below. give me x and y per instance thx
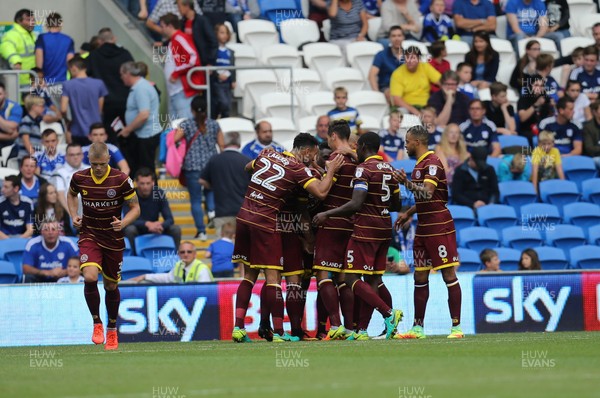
(348, 199)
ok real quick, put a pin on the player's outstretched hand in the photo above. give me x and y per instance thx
(77, 222)
(400, 176)
(334, 165)
(320, 219)
(403, 218)
(116, 224)
(347, 152)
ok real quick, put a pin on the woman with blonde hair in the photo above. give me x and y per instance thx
(452, 150)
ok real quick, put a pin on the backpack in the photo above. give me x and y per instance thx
(175, 154)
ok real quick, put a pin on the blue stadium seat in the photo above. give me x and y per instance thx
(463, 216)
(494, 162)
(512, 140)
(407, 164)
(154, 246)
(591, 190)
(479, 238)
(521, 238)
(517, 194)
(579, 168)
(496, 216)
(8, 274)
(11, 250)
(559, 192)
(164, 264)
(469, 260)
(551, 258)
(585, 256)
(509, 258)
(135, 266)
(594, 235)
(540, 214)
(127, 251)
(584, 215)
(565, 237)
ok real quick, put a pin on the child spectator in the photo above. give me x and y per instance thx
(484, 60)
(343, 112)
(529, 261)
(546, 162)
(39, 88)
(428, 117)
(576, 62)
(587, 74)
(73, 272)
(581, 111)
(465, 75)
(500, 111)
(49, 159)
(452, 150)
(30, 136)
(223, 81)
(514, 168)
(437, 25)
(543, 65)
(489, 259)
(221, 251)
(437, 50)
(391, 142)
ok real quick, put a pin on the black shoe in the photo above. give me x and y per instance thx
(265, 332)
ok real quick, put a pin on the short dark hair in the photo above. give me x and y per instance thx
(144, 172)
(572, 83)
(2, 86)
(370, 140)
(54, 20)
(37, 70)
(563, 101)
(412, 50)
(48, 132)
(171, 19)
(94, 126)
(436, 48)
(199, 104)
(420, 133)
(487, 255)
(77, 62)
(24, 158)
(14, 179)
(462, 65)
(475, 100)
(72, 145)
(324, 145)
(341, 128)
(590, 50)
(497, 88)
(395, 27)
(304, 140)
(19, 15)
(449, 75)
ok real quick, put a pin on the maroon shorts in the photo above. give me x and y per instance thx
(368, 258)
(257, 248)
(435, 252)
(293, 255)
(108, 261)
(330, 249)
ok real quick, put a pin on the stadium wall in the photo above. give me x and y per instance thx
(56, 314)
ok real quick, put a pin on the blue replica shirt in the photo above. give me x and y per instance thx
(434, 138)
(564, 134)
(253, 148)
(392, 144)
(371, 7)
(481, 10)
(479, 136)
(48, 165)
(15, 218)
(38, 255)
(590, 82)
(552, 88)
(31, 192)
(224, 58)
(441, 26)
(349, 114)
(56, 46)
(387, 63)
(13, 112)
(115, 155)
(221, 252)
(469, 90)
(527, 15)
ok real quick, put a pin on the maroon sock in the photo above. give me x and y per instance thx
(112, 300)
(92, 298)
(366, 293)
(454, 301)
(265, 309)
(330, 298)
(421, 296)
(305, 287)
(321, 314)
(242, 300)
(347, 305)
(294, 306)
(385, 294)
(358, 303)
(364, 317)
(274, 297)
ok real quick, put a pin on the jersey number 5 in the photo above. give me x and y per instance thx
(267, 182)
(385, 187)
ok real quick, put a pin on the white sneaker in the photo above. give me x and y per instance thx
(202, 236)
(211, 215)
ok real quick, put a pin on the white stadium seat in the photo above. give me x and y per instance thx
(281, 55)
(373, 29)
(284, 130)
(326, 29)
(244, 54)
(258, 33)
(255, 83)
(369, 123)
(585, 23)
(305, 81)
(420, 45)
(296, 32)
(7, 171)
(323, 57)
(501, 27)
(409, 120)
(369, 103)
(349, 78)
(579, 10)
(484, 94)
(548, 46)
(456, 51)
(318, 103)
(556, 73)
(505, 50)
(277, 105)
(567, 45)
(360, 55)
(505, 71)
(243, 126)
(308, 124)
(233, 38)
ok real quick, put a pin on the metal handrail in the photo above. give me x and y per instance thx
(20, 89)
(208, 69)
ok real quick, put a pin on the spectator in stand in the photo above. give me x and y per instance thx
(410, 83)
(450, 105)
(582, 112)
(570, 63)
(214, 11)
(202, 135)
(587, 74)
(472, 16)
(104, 63)
(84, 96)
(48, 209)
(188, 270)
(483, 59)
(475, 183)
(117, 160)
(264, 139)
(529, 261)
(137, 8)
(73, 272)
(438, 53)
(526, 65)
(500, 111)
(558, 21)
(403, 13)
(18, 44)
(153, 204)
(490, 260)
(452, 150)
(53, 50)
(392, 144)
(222, 175)
(591, 134)
(546, 162)
(162, 8)
(141, 130)
(465, 76)
(62, 176)
(596, 35)
(220, 251)
(49, 158)
(30, 182)
(479, 131)
(322, 128)
(428, 117)
(39, 88)
(567, 135)
(30, 136)
(222, 81)
(45, 257)
(525, 18)
(16, 210)
(344, 112)
(514, 168)
(10, 117)
(201, 30)
(533, 106)
(182, 56)
(372, 8)
(386, 62)
(348, 22)
(543, 66)
(437, 25)
(317, 11)
(236, 11)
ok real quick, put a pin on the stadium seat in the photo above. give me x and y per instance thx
(369, 103)
(484, 94)
(407, 164)
(585, 22)
(568, 44)
(517, 193)
(565, 237)
(308, 124)
(422, 46)
(283, 129)
(154, 246)
(369, 123)
(8, 274)
(326, 29)
(456, 51)
(164, 264)
(323, 57)
(479, 238)
(558, 192)
(409, 121)
(255, 83)
(11, 250)
(551, 258)
(278, 104)
(496, 216)
(244, 54)
(318, 103)
(257, 33)
(584, 215)
(509, 258)
(539, 215)
(303, 81)
(501, 29)
(494, 162)
(135, 266)
(281, 55)
(233, 38)
(349, 78)
(7, 171)
(594, 235)
(299, 31)
(126, 252)
(373, 28)
(520, 238)
(591, 190)
(505, 50)
(548, 46)
(360, 54)
(463, 216)
(469, 260)
(579, 169)
(585, 257)
(503, 75)
(242, 126)
(512, 140)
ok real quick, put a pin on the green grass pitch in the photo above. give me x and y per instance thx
(488, 365)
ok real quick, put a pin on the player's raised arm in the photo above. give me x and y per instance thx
(320, 188)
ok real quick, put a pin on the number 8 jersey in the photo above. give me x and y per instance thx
(275, 175)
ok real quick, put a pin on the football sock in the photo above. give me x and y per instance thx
(305, 286)
(92, 298)
(454, 301)
(242, 300)
(384, 293)
(274, 296)
(366, 293)
(265, 309)
(330, 298)
(358, 303)
(294, 305)
(364, 317)
(112, 301)
(421, 296)
(347, 305)
(321, 314)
